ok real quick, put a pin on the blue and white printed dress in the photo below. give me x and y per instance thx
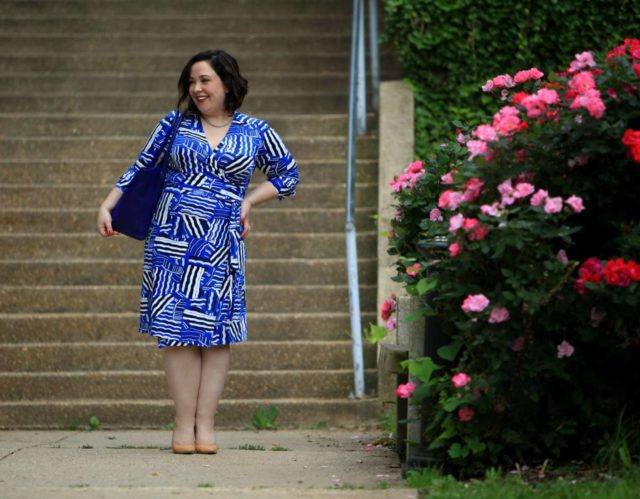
(193, 284)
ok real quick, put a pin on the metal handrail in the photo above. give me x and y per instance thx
(358, 123)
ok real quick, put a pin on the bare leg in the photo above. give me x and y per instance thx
(182, 366)
(215, 365)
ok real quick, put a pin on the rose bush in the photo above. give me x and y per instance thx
(526, 229)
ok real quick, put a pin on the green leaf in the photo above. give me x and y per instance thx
(452, 404)
(376, 333)
(421, 368)
(475, 445)
(425, 285)
(449, 352)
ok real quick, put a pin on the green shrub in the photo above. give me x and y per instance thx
(526, 231)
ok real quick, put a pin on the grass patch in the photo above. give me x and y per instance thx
(279, 448)
(87, 446)
(573, 485)
(249, 447)
(206, 485)
(265, 419)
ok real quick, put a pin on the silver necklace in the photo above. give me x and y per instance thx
(214, 125)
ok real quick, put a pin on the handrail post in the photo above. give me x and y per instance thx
(361, 74)
(375, 56)
(350, 229)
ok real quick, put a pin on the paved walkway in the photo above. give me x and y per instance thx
(139, 463)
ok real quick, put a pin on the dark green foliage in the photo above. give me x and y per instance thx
(449, 48)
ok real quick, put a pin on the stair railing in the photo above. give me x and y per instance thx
(358, 125)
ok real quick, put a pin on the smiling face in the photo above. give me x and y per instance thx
(207, 90)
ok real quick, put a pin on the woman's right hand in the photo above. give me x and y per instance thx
(104, 213)
(104, 223)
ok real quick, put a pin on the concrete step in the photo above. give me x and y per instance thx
(62, 246)
(203, 25)
(231, 414)
(110, 272)
(151, 384)
(161, 82)
(107, 171)
(187, 43)
(144, 355)
(88, 196)
(88, 147)
(128, 125)
(244, 8)
(146, 102)
(264, 220)
(260, 298)
(123, 326)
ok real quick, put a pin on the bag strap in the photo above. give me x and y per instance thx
(168, 142)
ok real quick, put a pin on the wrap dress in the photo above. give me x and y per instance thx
(193, 279)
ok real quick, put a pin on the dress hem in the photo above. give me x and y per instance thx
(189, 342)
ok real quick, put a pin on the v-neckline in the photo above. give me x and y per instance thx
(206, 138)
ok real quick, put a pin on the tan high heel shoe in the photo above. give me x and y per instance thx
(206, 448)
(183, 448)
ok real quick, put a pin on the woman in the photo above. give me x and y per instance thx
(192, 296)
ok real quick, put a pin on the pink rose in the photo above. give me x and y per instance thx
(416, 167)
(477, 148)
(473, 189)
(449, 199)
(523, 189)
(405, 391)
(478, 233)
(491, 210)
(466, 414)
(435, 215)
(387, 308)
(535, 73)
(506, 125)
(498, 314)
(455, 222)
(562, 257)
(576, 203)
(553, 205)
(582, 61)
(461, 379)
(454, 249)
(534, 105)
(504, 80)
(391, 324)
(548, 96)
(539, 198)
(469, 223)
(447, 178)
(414, 270)
(521, 76)
(582, 82)
(486, 133)
(488, 87)
(565, 349)
(475, 303)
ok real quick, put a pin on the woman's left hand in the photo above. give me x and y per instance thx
(244, 217)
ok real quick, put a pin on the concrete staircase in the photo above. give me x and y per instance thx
(82, 83)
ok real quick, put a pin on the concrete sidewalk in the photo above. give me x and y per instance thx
(140, 463)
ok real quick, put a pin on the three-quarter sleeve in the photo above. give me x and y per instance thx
(150, 152)
(277, 163)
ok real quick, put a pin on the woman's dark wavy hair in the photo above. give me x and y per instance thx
(226, 67)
